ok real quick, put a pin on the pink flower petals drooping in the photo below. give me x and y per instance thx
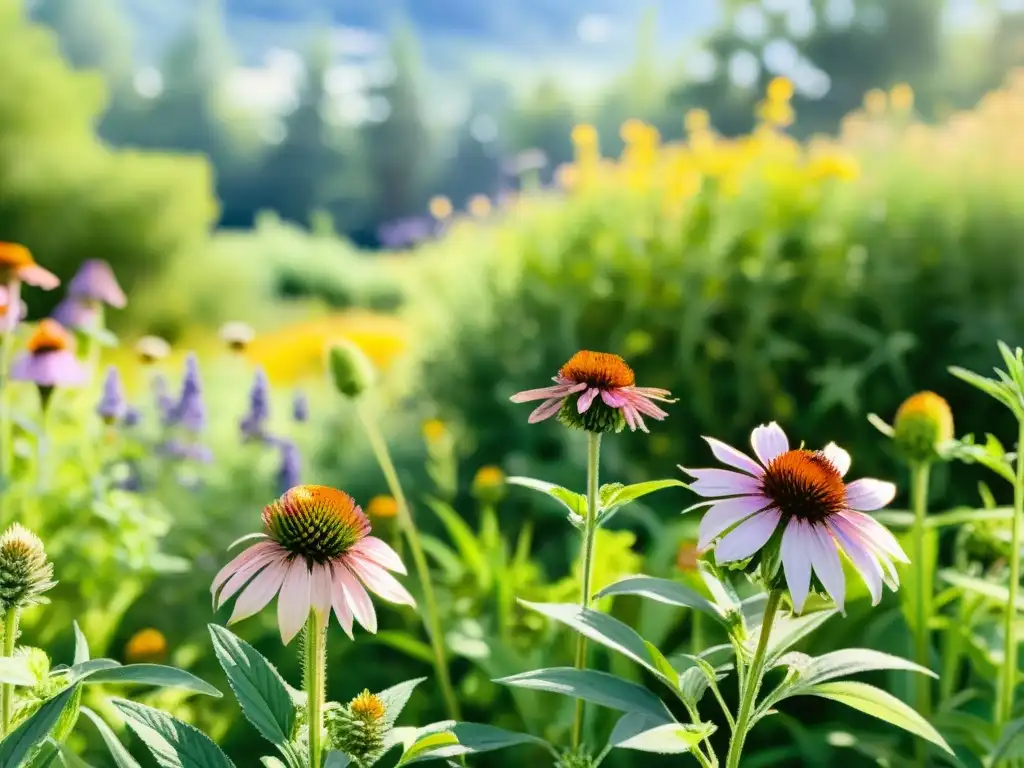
(821, 515)
(316, 555)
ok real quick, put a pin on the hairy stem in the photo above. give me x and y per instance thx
(589, 534)
(315, 678)
(7, 691)
(923, 568)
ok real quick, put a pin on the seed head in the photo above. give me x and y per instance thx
(315, 522)
(923, 422)
(25, 572)
(358, 730)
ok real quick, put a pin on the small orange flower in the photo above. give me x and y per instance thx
(367, 706)
(382, 506)
(17, 265)
(49, 336)
(147, 645)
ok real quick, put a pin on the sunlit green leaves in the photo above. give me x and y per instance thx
(596, 687)
(15, 671)
(575, 503)
(645, 734)
(615, 496)
(151, 674)
(19, 745)
(173, 744)
(1007, 387)
(120, 755)
(663, 591)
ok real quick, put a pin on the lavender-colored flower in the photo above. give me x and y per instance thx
(112, 406)
(50, 360)
(804, 493)
(254, 424)
(95, 282)
(289, 474)
(73, 312)
(164, 402)
(300, 407)
(132, 416)
(405, 233)
(190, 411)
(187, 451)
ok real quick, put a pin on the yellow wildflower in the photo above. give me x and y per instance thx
(440, 207)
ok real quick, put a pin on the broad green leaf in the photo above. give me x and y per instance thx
(808, 671)
(596, 687)
(478, 737)
(993, 592)
(665, 739)
(429, 747)
(68, 718)
(1011, 745)
(172, 743)
(877, 703)
(396, 697)
(152, 674)
(609, 632)
(81, 646)
(23, 740)
(404, 642)
(789, 630)
(662, 591)
(257, 685)
(121, 756)
(614, 497)
(576, 503)
(90, 667)
(46, 756)
(14, 670)
(465, 541)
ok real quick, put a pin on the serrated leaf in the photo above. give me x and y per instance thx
(609, 632)
(432, 746)
(172, 743)
(258, 687)
(20, 743)
(596, 687)
(152, 674)
(664, 739)
(117, 750)
(81, 646)
(662, 591)
(396, 697)
(14, 670)
(576, 503)
(877, 703)
(614, 497)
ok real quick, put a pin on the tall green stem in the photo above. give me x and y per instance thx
(315, 677)
(7, 692)
(923, 567)
(1004, 707)
(752, 684)
(431, 617)
(589, 534)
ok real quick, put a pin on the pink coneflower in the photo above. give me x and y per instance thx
(317, 553)
(95, 283)
(804, 492)
(50, 360)
(16, 267)
(596, 391)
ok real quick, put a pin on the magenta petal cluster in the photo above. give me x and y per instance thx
(316, 555)
(804, 492)
(50, 359)
(95, 282)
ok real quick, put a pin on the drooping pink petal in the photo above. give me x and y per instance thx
(379, 581)
(39, 277)
(868, 494)
(840, 459)
(875, 533)
(654, 393)
(825, 559)
(862, 537)
(261, 590)
(722, 482)
(747, 537)
(736, 459)
(613, 398)
(378, 551)
(634, 419)
(545, 410)
(246, 572)
(320, 591)
(584, 401)
(546, 393)
(355, 595)
(293, 602)
(863, 560)
(768, 442)
(726, 513)
(340, 601)
(796, 561)
(645, 406)
(238, 562)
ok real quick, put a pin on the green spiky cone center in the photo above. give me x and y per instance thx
(599, 417)
(315, 522)
(25, 572)
(358, 735)
(576, 758)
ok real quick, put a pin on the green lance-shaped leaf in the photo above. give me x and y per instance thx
(432, 746)
(575, 503)
(615, 496)
(877, 703)
(464, 539)
(81, 646)
(19, 745)
(995, 593)
(1011, 743)
(789, 630)
(644, 734)
(172, 743)
(596, 687)
(611, 633)
(152, 674)
(478, 738)
(663, 591)
(117, 750)
(259, 688)
(396, 697)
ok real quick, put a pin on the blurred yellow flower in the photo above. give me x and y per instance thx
(566, 176)
(633, 131)
(440, 207)
(382, 507)
(777, 113)
(584, 135)
(902, 97)
(146, 646)
(687, 556)
(489, 476)
(780, 89)
(479, 205)
(697, 120)
(434, 430)
(834, 165)
(875, 102)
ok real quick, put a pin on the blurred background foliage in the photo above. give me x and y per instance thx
(472, 192)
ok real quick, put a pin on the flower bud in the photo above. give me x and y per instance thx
(358, 730)
(146, 646)
(25, 572)
(350, 368)
(923, 422)
(382, 507)
(489, 484)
